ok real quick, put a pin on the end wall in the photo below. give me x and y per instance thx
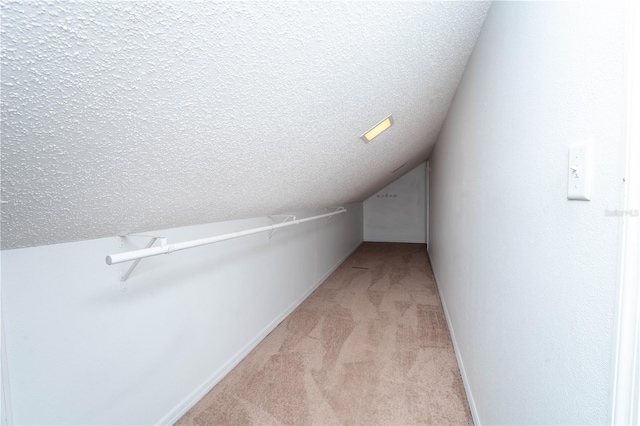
(528, 277)
(80, 351)
(396, 213)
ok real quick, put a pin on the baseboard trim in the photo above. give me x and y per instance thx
(394, 241)
(463, 373)
(192, 399)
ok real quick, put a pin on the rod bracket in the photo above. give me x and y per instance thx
(337, 210)
(121, 241)
(287, 218)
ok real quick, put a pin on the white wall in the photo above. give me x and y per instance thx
(4, 415)
(396, 213)
(529, 278)
(81, 351)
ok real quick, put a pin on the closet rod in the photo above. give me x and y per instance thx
(170, 248)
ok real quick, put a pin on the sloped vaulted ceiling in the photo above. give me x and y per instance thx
(130, 116)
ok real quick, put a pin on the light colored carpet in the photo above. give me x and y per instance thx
(369, 346)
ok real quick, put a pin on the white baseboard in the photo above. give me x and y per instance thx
(192, 399)
(463, 373)
(383, 240)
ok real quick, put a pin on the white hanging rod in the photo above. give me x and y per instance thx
(167, 249)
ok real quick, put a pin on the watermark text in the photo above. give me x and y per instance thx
(621, 213)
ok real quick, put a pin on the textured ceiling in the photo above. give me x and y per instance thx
(120, 117)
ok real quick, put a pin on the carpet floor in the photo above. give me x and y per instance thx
(369, 346)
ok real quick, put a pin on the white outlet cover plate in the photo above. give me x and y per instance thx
(579, 171)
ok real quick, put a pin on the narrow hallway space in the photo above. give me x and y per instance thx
(369, 346)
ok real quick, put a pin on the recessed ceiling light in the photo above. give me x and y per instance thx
(377, 129)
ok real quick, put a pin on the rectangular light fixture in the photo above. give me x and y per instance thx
(377, 129)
